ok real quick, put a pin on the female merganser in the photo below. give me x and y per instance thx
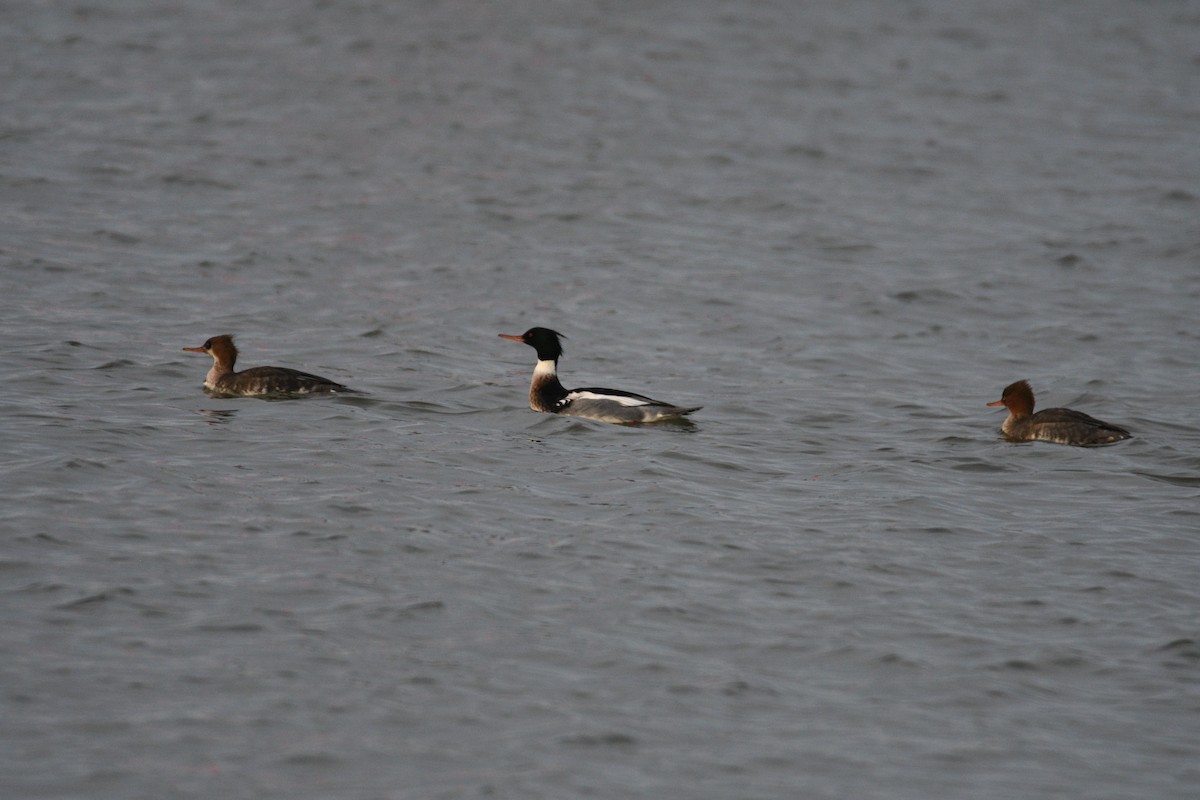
(606, 405)
(222, 380)
(1058, 425)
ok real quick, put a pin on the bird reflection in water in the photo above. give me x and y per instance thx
(217, 416)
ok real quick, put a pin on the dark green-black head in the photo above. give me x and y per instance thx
(544, 340)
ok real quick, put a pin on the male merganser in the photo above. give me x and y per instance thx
(222, 380)
(1058, 425)
(606, 405)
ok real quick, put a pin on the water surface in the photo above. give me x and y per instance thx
(842, 229)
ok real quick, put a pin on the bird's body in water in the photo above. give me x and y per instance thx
(256, 381)
(1058, 425)
(547, 394)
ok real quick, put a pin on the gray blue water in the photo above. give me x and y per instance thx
(842, 228)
